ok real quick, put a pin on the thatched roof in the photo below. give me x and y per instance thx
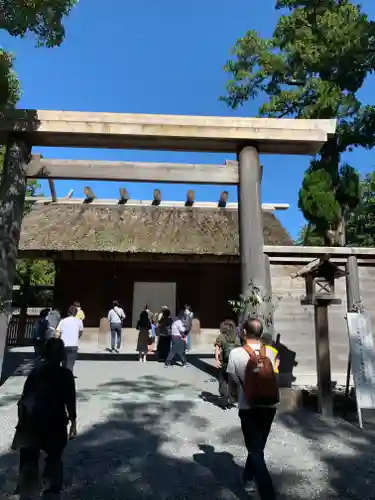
(146, 229)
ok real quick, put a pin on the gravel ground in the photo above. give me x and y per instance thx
(146, 432)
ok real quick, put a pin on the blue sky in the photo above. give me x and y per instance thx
(157, 56)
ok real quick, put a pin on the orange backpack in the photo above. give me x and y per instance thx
(260, 386)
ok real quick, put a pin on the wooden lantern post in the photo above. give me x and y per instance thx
(320, 292)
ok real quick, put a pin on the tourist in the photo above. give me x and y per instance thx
(40, 332)
(149, 313)
(144, 327)
(164, 328)
(160, 315)
(225, 342)
(53, 318)
(70, 330)
(177, 350)
(80, 314)
(252, 368)
(268, 341)
(188, 322)
(116, 317)
(47, 405)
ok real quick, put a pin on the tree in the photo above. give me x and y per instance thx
(313, 67)
(360, 221)
(307, 236)
(9, 85)
(38, 272)
(41, 18)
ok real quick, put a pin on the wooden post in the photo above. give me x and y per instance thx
(12, 199)
(52, 189)
(269, 328)
(353, 301)
(250, 220)
(353, 294)
(323, 361)
(22, 320)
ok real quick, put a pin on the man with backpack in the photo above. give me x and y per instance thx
(251, 367)
(47, 405)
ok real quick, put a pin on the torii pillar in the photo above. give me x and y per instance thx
(250, 220)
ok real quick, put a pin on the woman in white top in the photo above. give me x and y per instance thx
(115, 317)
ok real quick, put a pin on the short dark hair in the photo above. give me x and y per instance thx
(228, 326)
(115, 303)
(44, 312)
(72, 311)
(166, 313)
(253, 329)
(54, 350)
(76, 304)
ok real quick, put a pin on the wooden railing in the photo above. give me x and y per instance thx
(17, 338)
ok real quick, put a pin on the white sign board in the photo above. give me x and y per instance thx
(362, 355)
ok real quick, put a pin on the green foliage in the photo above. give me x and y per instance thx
(256, 304)
(9, 85)
(308, 236)
(42, 272)
(318, 202)
(313, 67)
(360, 219)
(361, 222)
(41, 18)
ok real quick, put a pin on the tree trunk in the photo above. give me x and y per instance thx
(12, 199)
(340, 236)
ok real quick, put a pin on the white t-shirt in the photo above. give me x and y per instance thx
(238, 359)
(70, 329)
(116, 315)
(178, 328)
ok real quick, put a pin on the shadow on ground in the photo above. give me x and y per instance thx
(351, 473)
(147, 451)
(16, 363)
(134, 454)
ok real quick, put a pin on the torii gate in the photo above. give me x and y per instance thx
(247, 137)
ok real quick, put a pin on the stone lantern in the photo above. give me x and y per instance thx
(320, 277)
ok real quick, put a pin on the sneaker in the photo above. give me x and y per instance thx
(249, 485)
(116, 351)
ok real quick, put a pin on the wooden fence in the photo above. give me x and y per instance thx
(16, 337)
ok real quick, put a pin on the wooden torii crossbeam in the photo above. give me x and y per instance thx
(172, 173)
(166, 132)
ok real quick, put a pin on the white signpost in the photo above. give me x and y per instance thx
(362, 355)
